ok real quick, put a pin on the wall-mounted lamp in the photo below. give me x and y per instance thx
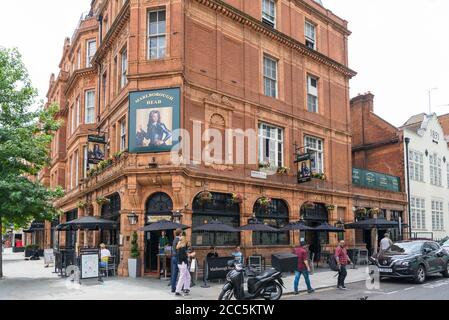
(133, 218)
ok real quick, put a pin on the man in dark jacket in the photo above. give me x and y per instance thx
(174, 260)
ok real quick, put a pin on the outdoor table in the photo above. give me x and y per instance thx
(164, 258)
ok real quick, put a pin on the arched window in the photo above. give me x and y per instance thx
(159, 204)
(111, 211)
(275, 215)
(220, 208)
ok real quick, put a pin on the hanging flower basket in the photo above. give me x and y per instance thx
(373, 211)
(309, 205)
(102, 201)
(319, 176)
(331, 207)
(264, 202)
(237, 198)
(283, 170)
(205, 197)
(82, 204)
(361, 211)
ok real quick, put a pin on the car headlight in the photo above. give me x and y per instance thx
(403, 263)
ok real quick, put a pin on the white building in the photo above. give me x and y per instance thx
(429, 176)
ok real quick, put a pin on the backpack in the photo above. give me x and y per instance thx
(333, 265)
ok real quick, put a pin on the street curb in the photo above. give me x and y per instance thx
(292, 293)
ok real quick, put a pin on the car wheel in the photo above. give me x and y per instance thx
(420, 274)
(445, 273)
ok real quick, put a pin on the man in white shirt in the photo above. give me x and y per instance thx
(386, 242)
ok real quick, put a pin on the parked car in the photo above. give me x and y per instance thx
(413, 260)
(445, 245)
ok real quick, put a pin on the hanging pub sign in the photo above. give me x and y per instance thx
(96, 149)
(154, 116)
(304, 162)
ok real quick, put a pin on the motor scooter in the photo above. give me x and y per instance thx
(268, 285)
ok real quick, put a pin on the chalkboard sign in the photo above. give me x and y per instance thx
(375, 180)
(49, 256)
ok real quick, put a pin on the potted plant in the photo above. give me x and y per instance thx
(330, 207)
(264, 165)
(373, 212)
(237, 198)
(361, 212)
(205, 197)
(134, 258)
(92, 172)
(264, 202)
(319, 176)
(102, 200)
(117, 156)
(283, 170)
(30, 249)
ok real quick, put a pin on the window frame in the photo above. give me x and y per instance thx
(123, 68)
(88, 56)
(278, 143)
(268, 17)
(418, 213)
(270, 78)
(317, 151)
(158, 36)
(307, 37)
(86, 107)
(311, 94)
(416, 167)
(436, 170)
(123, 132)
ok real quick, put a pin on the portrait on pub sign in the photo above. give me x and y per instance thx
(154, 116)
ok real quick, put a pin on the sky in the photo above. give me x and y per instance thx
(399, 48)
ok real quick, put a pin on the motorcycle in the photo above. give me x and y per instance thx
(268, 285)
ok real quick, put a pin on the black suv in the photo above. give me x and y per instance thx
(413, 260)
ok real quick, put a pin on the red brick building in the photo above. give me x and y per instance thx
(378, 148)
(279, 68)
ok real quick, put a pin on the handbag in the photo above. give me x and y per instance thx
(193, 265)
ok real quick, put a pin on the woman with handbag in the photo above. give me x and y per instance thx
(183, 265)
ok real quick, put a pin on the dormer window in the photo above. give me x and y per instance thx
(269, 13)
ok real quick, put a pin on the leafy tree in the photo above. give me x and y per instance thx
(25, 137)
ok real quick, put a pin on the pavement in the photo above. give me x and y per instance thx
(435, 288)
(30, 280)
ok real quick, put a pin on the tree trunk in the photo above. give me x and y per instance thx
(1, 249)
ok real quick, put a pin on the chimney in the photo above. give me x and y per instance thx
(364, 101)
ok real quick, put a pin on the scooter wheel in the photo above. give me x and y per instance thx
(226, 295)
(276, 294)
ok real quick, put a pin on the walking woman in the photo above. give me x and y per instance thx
(184, 272)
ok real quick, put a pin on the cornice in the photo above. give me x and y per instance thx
(322, 16)
(76, 75)
(245, 19)
(113, 32)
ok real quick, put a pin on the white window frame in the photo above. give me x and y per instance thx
(269, 11)
(315, 146)
(90, 52)
(435, 164)
(76, 168)
(85, 161)
(160, 35)
(123, 135)
(272, 137)
(312, 94)
(270, 76)
(310, 34)
(418, 213)
(416, 165)
(89, 110)
(124, 68)
(437, 215)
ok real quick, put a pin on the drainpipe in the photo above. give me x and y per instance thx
(407, 141)
(100, 38)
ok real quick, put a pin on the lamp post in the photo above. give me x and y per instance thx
(407, 142)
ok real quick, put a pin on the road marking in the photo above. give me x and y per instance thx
(392, 292)
(411, 288)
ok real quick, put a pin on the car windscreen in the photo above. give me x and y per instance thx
(406, 247)
(446, 244)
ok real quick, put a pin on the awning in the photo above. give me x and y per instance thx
(373, 223)
(35, 226)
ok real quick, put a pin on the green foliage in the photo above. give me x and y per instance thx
(25, 136)
(135, 254)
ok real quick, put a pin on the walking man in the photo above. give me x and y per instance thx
(303, 268)
(174, 260)
(341, 255)
(385, 243)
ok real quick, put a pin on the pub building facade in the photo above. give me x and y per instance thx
(134, 72)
